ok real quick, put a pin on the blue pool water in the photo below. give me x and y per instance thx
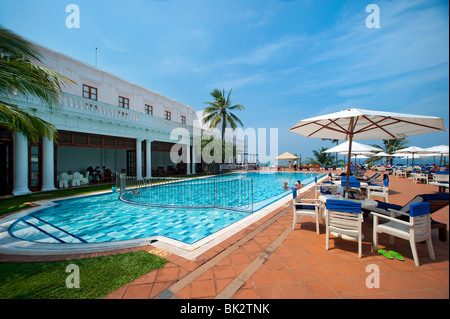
(104, 218)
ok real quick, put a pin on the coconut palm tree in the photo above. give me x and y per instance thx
(321, 158)
(390, 146)
(218, 112)
(333, 141)
(23, 78)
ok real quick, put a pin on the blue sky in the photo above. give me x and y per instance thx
(284, 60)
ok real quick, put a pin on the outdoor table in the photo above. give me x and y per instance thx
(365, 203)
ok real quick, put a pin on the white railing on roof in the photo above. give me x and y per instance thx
(84, 105)
(90, 107)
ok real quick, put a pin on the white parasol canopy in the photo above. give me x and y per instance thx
(357, 148)
(442, 150)
(286, 156)
(359, 124)
(412, 150)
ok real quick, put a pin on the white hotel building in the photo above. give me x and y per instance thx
(103, 120)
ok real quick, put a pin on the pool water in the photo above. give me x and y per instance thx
(104, 218)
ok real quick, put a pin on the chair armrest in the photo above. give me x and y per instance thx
(398, 212)
(391, 219)
(311, 204)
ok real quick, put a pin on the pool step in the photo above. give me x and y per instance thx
(38, 230)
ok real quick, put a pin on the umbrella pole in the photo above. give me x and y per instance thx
(349, 158)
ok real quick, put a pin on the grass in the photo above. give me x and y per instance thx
(99, 276)
(12, 204)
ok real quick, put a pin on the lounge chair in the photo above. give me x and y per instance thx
(416, 229)
(371, 179)
(437, 201)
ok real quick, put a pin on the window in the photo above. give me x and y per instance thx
(124, 102)
(148, 109)
(168, 115)
(89, 92)
(183, 119)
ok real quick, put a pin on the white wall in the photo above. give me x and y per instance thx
(109, 87)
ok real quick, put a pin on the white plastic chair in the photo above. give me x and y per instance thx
(64, 180)
(418, 228)
(76, 179)
(344, 217)
(305, 207)
(379, 191)
(85, 179)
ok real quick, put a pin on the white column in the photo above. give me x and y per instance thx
(188, 158)
(193, 159)
(48, 160)
(20, 165)
(138, 158)
(148, 150)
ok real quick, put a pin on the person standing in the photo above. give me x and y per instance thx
(295, 165)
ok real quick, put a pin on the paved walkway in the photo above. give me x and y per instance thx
(270, 260)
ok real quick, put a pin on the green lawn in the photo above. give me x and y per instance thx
(12, 204)
(99, 276)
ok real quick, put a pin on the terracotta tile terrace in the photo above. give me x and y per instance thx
(270, 260)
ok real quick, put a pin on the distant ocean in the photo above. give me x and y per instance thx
(397, 160)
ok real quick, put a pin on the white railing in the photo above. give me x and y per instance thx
(89, 108)
(213, 192)
(80, 104)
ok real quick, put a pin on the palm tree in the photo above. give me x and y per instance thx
(321, 158)
(333, 141)
(22, 77)
(390, 146)
(218, 112)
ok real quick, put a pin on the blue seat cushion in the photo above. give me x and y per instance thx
(386, 206)
(302, 206)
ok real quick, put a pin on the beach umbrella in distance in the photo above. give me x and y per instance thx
(357, 148)
(442, 150)
(360, 124)
(286, 156)
(412, 150)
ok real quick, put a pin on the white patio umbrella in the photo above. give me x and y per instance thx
(442, 150)
(356, 148)
(357, 156)
(384, 154)
(285, 156)
(359, 124)
(412, 150)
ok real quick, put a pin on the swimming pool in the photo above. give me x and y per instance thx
(103, 218)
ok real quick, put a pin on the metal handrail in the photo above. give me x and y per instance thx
(215, 192)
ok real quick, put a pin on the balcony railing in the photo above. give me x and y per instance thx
(89, 108)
